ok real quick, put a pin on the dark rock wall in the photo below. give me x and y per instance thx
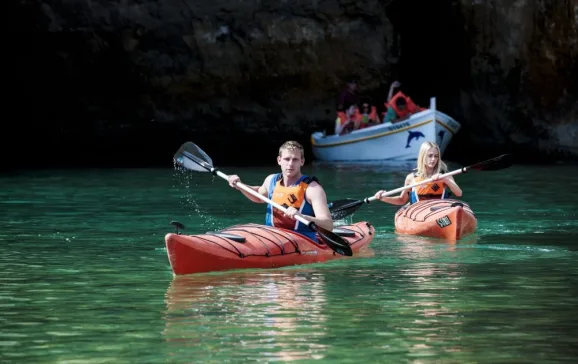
(107, 79)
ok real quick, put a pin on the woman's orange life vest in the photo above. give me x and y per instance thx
(429, 191)
(411, 107)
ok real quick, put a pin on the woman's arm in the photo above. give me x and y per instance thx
(397, 200)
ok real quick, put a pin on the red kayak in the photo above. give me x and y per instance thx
(256, 246)
(445, 219)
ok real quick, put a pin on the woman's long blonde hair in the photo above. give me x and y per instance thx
(439, 167)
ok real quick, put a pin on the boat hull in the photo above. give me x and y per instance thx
(263, 247)
(445, 219)
(397, 141)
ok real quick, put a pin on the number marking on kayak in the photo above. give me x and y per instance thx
(444, 221)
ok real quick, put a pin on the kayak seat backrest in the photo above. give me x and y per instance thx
(455, 204)
(344, 232)
(237, 238)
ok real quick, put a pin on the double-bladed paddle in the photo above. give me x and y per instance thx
(341, 208)
(191, 157)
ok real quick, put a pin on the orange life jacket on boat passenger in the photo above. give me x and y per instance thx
(341, 118)
(342, 122)
(363, 120)
(411, 107)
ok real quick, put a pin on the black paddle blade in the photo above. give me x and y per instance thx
(334, 241)
(341, 208)
(494, 164)
(190, 156)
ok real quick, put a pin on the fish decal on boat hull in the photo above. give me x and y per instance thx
(413, 135)
(441, 136)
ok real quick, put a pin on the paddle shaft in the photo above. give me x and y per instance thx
(260, 196)
(398, 190)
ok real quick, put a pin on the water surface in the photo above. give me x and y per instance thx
(85, 275)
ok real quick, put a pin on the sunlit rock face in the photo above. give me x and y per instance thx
(243, 73)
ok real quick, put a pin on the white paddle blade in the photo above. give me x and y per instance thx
(185, 162)
(186, 154)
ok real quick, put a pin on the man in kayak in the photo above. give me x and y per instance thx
(429, 165)
(301, 195)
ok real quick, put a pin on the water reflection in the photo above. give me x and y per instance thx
(288, 315)
(425, 245)
(434, 281)
(271, 315)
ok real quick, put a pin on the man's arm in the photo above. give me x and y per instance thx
(262, 190)
(394, 85)
(315, 195)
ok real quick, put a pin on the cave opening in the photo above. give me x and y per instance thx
(433, 50)
(434, 57)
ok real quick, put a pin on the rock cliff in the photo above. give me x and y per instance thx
(115, 77)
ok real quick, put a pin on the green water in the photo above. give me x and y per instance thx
(85, 277)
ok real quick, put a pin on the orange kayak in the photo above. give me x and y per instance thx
(256, 246)
(445, 219)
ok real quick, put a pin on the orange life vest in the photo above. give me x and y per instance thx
(290, 196)
(345, 123)
(363, 120)
(429, 191)
(411, 107)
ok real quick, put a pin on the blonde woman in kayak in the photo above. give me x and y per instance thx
(302, 195)
(429, 165)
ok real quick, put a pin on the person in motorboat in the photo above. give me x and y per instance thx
(346, 121)
(367, 116)
(348, 96)
(399, 106)
(354, 119)
(302, 195)
(429, 165)
(396, 111)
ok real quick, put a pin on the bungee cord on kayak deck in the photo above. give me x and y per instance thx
(255, 246)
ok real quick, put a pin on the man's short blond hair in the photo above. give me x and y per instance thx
(292, 145)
